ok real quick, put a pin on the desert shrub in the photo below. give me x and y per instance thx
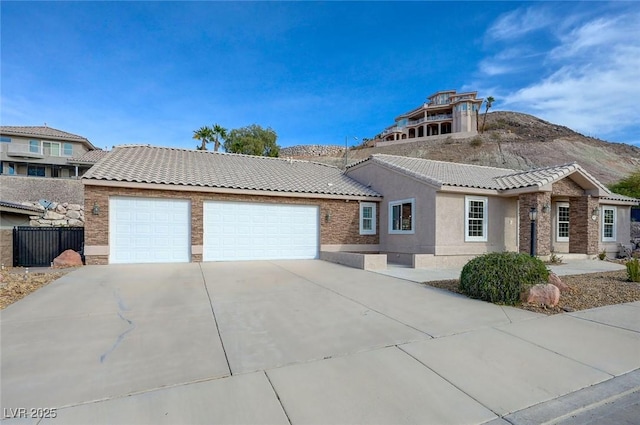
(476, 142)
(500, 277)
(603, 255)
(633, 270)
(495, 136)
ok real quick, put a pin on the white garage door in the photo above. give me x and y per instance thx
(246, 231)
(149, 230)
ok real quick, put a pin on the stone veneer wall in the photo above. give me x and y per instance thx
(342, 228)
(583, 231)
(543, 223)
(566, 187)
(6, 247)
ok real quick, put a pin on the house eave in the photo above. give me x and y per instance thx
(206, 189)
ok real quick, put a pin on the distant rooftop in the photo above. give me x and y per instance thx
(43, 132)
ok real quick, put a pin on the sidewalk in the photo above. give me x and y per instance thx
(568, 267)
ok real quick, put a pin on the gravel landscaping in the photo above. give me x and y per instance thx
(15, 284)
(587, 291)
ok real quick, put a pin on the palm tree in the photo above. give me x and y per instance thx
(204, 134)
(487, 105)
(218, 132)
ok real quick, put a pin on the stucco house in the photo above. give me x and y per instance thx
(41, 151)
(437, 213)
(152, 204)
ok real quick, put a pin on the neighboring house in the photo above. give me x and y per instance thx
(447, 213)
(445, 112)
(12, 214)
(43, 151)
(152, 204)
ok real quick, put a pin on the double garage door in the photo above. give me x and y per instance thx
(149, 230)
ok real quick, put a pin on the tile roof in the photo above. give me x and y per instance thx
(13, 205)
(42, 132)
(182, 167)
(475, 176)
(90, 157)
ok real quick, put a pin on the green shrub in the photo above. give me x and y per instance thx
(633, 270)
(476, 142)
(500, 277)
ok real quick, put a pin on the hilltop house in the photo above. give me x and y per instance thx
(43, 151)
(152, 204)
(444, 112)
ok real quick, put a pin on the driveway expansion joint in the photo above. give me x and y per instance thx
(215, 320)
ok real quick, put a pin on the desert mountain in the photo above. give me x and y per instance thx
(511, 140)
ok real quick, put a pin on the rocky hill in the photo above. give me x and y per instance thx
(511, 140)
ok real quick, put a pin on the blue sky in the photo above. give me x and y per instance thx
(153, 72)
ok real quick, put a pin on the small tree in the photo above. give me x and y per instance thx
(487, 105)
(629, 186)
(252, 140)
(204, 134)
(218, 132)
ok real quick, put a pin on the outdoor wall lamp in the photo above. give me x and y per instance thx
(533, 214)
(546, 208)
(327, 217)
(96, 209)
(595, 213)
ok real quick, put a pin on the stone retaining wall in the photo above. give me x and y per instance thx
(58, 215)
(24, 188)
(635, 230)
(311, 150)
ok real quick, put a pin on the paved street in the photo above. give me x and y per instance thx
(296, 342)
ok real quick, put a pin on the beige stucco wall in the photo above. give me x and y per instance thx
(623, 230)
(396, 187)
(502, 225)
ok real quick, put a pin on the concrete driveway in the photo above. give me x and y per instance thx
(300, 342)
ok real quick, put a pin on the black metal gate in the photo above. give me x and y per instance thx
(38, 246)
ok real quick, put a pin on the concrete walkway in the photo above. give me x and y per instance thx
(568, 267)
(296, 342)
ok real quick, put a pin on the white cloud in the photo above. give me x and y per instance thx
(589, 80)
(518, 23)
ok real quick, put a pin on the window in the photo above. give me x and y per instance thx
(562, 222)
(475, 224)
(68, 149)
(402, 216)
(9, 168)
(609, 224)
(5, 139)
(367, 218)
(34, 146)
(35, 170)
(51, 148)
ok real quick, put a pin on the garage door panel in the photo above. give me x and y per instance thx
(252, 231)
(147, 230)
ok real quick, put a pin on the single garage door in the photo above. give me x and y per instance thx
(149, 230)
(251, 231)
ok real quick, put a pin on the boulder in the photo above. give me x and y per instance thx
(73, 207)
(542, 294)
(73, 214)
(75, 223)
(51, 215)
(68, 258)
(60, 209)
(556, 281)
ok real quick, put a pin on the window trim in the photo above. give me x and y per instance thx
(558, 237)
(373, 230)
(411, 201)
(613, 225)
(485, 218)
